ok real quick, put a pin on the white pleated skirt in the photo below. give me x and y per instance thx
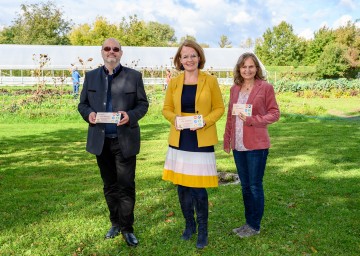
(190, 169)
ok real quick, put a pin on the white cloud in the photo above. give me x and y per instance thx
(342, 21)
(307, 34)
(323, 24)
(241, 18)
(348, 3)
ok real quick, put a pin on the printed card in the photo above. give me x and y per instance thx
(188, 122)
(242, 108)
(108, 117)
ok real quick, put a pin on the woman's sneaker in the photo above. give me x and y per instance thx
(237, 230)
(247, 232)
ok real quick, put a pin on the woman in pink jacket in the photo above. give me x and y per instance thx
(252, 107)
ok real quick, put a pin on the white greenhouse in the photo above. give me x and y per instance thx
(19, 62)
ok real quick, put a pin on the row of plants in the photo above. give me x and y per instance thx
(329, 87)
(280, 85)
(37, 102)
(292, 75)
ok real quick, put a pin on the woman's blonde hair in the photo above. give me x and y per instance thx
(199, 50)
(238, 79)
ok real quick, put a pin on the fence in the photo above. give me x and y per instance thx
(9, 78)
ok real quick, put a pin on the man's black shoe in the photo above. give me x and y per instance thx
(113, 231)
(130, 239)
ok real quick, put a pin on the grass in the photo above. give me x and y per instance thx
(51, 200)
(321, 107)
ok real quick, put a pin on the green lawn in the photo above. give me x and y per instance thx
(51, 200)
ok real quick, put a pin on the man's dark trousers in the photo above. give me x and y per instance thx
(118, 175)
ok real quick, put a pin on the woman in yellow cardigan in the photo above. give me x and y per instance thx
(190, 160)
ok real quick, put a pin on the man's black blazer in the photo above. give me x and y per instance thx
(128, 94)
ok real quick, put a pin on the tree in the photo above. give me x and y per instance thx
(38, 24)
(315, 48)
(130, 32)
(187, 37)
(80, 35)
(335, 52)
(224, 42)
(248, 43)
(159, 34)
(349, 36)
(102, 30)
(332, 62)
(204, 45)
(280, 46)
(7, 35)
(94, 34)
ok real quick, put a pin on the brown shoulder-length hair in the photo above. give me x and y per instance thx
(238, 79)
(199, 50)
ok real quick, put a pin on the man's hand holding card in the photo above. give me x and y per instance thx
(108, 117)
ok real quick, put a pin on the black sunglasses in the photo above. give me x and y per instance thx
(108, 49)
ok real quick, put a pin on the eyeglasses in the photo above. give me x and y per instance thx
(186, 57)
(108, 49)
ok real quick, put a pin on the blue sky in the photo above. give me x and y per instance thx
(207, 20)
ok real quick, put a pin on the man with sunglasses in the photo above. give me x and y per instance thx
(120, 90)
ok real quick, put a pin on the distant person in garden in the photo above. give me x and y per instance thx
(113, 88)
(190, 160)
(246, 134)
(167, 79)
(76, 81)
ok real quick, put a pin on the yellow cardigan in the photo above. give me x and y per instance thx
(208, 102)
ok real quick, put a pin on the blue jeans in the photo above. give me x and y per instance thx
(76, 89)
(251, 167)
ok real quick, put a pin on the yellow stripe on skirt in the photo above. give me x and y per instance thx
(190, 169)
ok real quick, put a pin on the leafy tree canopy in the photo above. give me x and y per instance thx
(131, 32)
(193, 38)
(316, 46)
(224, 42)
(332, 62)
(38, 24)
(349, 36)
(187, 37)
(248, 43)
(280, 46)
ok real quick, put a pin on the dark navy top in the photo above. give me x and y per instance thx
(188, 139)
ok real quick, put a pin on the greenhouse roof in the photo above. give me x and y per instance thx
(64, 57)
